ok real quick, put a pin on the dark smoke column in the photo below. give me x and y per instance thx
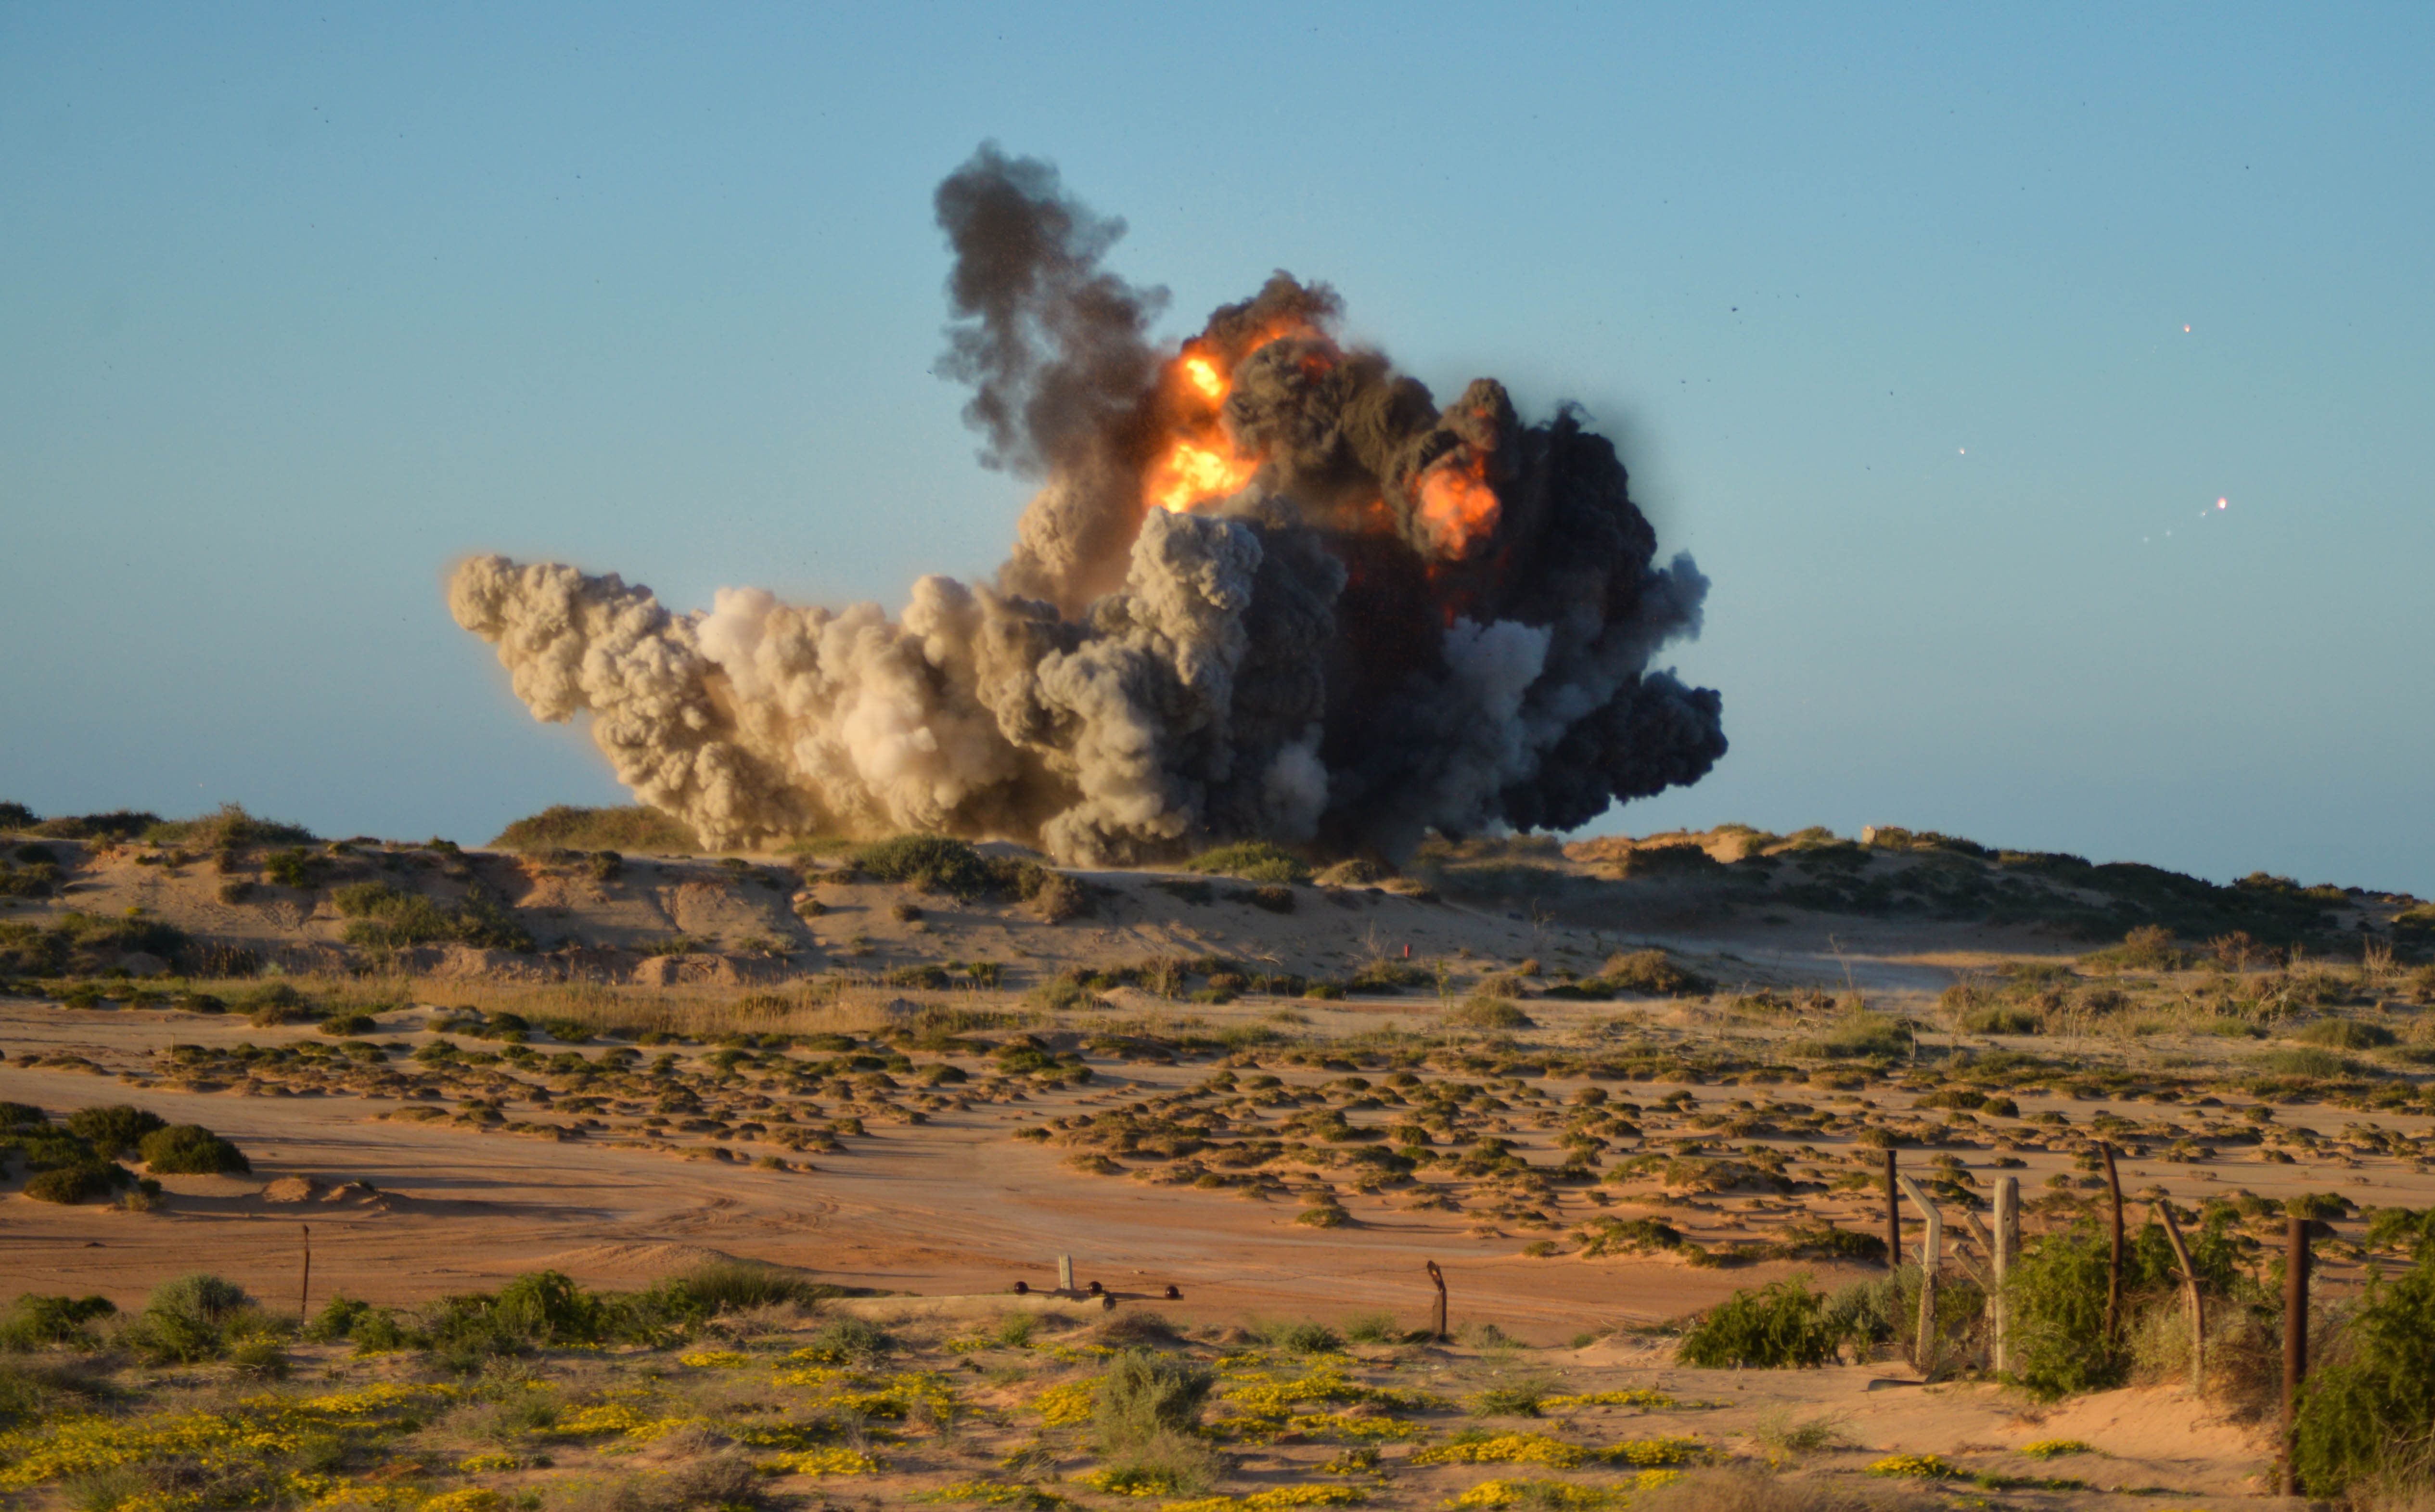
(1460, 608)
(1269, 589)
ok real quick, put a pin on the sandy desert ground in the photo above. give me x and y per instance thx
(840, 1090)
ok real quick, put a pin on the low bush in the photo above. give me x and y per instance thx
(733, 1286)
(189, 1319)
(1783, 1325)
(229, 828)
(1251, 860)
(2057, 1294)
(190, 1150)
(2367, 1416)
(381, 917)
(1143, 1395)
(1489, 1013)
(625, 828)
(115, 1130)
(1299, 1339)
(71, 1184)
(34, 1320)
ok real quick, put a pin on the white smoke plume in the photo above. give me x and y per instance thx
(1267, 590)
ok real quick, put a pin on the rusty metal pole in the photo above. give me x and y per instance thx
(2295, 1343)
(1438, 1319)
(1893, 1218)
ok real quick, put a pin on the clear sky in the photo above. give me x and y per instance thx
(1935, 332)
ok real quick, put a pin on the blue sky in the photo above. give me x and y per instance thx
(1886, 306)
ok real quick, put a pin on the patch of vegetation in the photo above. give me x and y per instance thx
(2058, 1295)
(381, 918)
(1251, 860)
(629, 828)
(2367, 1416)
(77, 944)
(115, 827)
(1783, 1325)
(938, 864)
(190, 1150)
(229, 828)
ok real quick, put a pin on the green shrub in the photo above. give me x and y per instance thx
(18, 816)
(381, 918)
(229, 828)
(1489, 1013)
(1143, 1395)
(114, 1131)
(627, 828)
(1654, 973)
(346, 1026)
(293, 867)
(849, 1341)
(1299, 1339)
(2001, 1019)
(1783, 1325)
(190, 1150)
(2345, 1034)
(1860, 1035)
(2368, 1413)
(732, 1285)
(1252, 861)
(2058, 1290)
(2311, 1062)
(34, 1320)
(1275, 898)
(189, 1319)
(71, 1184)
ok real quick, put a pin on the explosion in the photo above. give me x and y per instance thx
(1267, 590)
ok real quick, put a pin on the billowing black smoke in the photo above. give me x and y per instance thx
(1268, 588)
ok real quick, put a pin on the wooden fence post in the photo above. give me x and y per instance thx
(2189, 1297)
(1438, 1319)
(2295, 1343)
(1893, 1218)
(1064, 1273)
(304, 1287)
(1931, 1254)
(2008, 1238)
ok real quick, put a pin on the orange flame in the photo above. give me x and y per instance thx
(1457, 509)
(1200, 462)
(1189, 474)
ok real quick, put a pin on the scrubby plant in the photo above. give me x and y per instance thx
(190, 1150)
(228, 828)
(1489, 1013)
(2057, 1298)
(1251, 860)
(1303, 1337)
(732, 1286)
(625, 828)
(71, 1184)
(115, 1130)
(2367, 1416)
(1782, 1325)
(34, 1320)
(381, 917)
(190, 1318)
